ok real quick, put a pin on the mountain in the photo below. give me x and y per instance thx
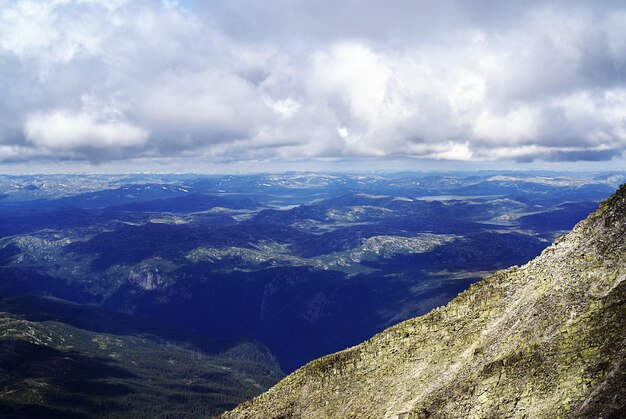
(308, 264)
(543, 340)
(60, 359)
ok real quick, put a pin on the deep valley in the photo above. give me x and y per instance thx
(229, 281)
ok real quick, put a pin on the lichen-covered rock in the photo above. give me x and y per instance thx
(547, 339)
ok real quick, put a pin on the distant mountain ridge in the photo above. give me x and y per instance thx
(543, 340)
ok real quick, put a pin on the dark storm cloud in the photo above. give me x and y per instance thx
(454, 80)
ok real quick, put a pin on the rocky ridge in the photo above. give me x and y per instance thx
(543, 340)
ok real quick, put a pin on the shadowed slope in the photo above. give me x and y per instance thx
(543, 340)
(60, 359)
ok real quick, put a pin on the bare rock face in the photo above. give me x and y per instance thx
(547, 339)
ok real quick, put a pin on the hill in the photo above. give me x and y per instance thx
(543, 340)
(59, 359)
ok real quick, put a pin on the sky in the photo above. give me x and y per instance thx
(242, 85)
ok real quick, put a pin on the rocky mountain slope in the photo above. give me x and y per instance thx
(543, 340)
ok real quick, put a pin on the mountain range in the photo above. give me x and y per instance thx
(546, 339)
(225, 283)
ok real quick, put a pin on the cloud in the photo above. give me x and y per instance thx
(201, 108)
(64, 130)
(455, 152)
(239, 80)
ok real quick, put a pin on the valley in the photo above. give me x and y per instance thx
(545, 339)
(300, 265)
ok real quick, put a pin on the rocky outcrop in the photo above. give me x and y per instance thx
(543, 340)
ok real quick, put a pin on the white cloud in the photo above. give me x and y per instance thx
(208, 100)
(514, 126)
(352, 74)
(455, 152)
(286, 108)
(343, 132)
(63, 130)
(456, 80)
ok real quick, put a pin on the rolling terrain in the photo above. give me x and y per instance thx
(542, 340)
(306, 263)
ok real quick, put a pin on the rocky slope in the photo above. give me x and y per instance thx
(543, 340)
